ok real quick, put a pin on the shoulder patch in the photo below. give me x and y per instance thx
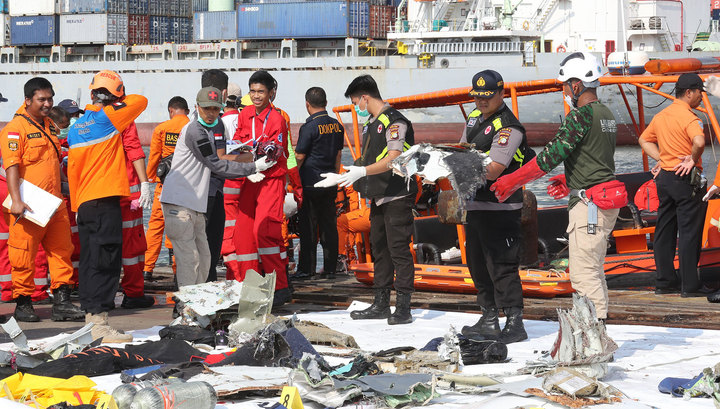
(53, 130)
(171, 138)
(394, 131)
(13, 135)
(34, 135)
(504, 136)
(219, 136)
(13, 145)
(118, 105)
(471, 122)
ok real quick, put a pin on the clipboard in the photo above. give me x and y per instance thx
(44, 204)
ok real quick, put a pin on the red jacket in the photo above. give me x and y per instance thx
(270, 128)
(133, 151)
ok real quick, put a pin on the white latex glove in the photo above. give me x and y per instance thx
(146, 195)
(712, 85)
(263, 164)
(256, 177)
(331, 179)
(353, 173)
(711, 192)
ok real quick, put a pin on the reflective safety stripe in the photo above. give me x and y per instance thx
(230, 257)
(519, 156)
(497, 123)
(246, 257)
(231, 190)
(94, 141)
(134, 188)
(132, 223)
(384, 119)
(73, 229)
(283, 255)
(229, 223)
(475, 113)
(268, 250)
(4, 236)
(131, 261)
(384, 152)
(5, 278)
(41, 281)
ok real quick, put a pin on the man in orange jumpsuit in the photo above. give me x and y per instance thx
(95, 160)
(162, 145)
(261, 196)
(30, 151)
(133, 232)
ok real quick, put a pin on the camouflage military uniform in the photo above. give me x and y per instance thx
(585, 143)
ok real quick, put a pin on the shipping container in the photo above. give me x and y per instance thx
(81, 6)
(4, 8)
(221, 5)
(215, 26)
(200, 5)
(381, 18)
(138, 29)
(32, 7)
(326, 19)
(159, 29)
(5, 26)
(138, 6)
(169, 8)
(117, 6)
(93, 29)
(34, 30)
(184, 8)
(181, 30)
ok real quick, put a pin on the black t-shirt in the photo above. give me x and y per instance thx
(320, 140)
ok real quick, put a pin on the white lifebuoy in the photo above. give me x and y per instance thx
(560, 48)
(526, 25)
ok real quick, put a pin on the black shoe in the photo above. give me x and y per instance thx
(325, 275)
(24, 310)
(402, 310)
(282, 297)
(380, 308)
(63, 309)
(700, 292)
(666, 290)
(300, 276)
(487, 327)
(714, 297)
(147, 275)
(144, 301)
(514, 330)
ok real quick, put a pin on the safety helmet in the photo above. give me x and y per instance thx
(109, 80)
(581, 65)
(246, 101)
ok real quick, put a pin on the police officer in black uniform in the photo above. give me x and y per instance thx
(318, 151)
(492, 229)
(386, 134)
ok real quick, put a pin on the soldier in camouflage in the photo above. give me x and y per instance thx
(585, 143)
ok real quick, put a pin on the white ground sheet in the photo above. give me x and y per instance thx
(645, 356)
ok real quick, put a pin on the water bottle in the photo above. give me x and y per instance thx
(124, 394)
(189, 395)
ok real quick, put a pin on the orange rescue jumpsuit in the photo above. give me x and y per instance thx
(36, 153)
(162, 145)
(355, 221)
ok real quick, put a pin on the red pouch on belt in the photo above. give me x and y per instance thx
(608, 195)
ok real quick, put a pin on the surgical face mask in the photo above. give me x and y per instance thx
(64, 132)
(207, 124)
(361, 112)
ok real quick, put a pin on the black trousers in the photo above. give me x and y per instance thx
(214, 228)
(317, 214)
(391, 227)
(493, 240)
(100, 230)
(679, 212)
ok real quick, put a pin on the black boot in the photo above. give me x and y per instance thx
(487, 326)
(379, 309)
(24, 310)
(63, 309)
(402, 310)
(514, 330)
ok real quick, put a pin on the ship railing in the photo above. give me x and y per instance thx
(471, 47)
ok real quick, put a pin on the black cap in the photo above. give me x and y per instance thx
(69, 106)
(689, 81)
(486, 83)
(3, 99)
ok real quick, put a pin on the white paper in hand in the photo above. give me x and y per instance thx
(43, 203)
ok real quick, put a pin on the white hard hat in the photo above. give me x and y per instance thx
(581, 65)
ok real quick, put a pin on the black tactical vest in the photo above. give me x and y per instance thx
(386, 184)
(482, 133)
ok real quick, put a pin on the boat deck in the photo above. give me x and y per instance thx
(626, 306)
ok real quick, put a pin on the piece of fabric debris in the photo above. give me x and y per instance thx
(476, 352)
(319, 334)
(188, 333)
(47, 391)
(92, 362)
(359, 366)
(169, 351)
(185, 370)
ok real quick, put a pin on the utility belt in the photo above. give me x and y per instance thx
(607, 195)
(696, 178)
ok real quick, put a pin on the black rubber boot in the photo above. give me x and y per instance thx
(402, 310)
(487, 326)
(514, 330)
(379, 309)
(63, 309)
(24, 310)
(144, 301)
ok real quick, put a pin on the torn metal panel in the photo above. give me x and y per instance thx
(255, 303)
(18, 337)
(233, 380)
(319, 334)
(575, 384)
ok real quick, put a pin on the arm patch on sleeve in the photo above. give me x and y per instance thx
(118, 105)
(204, 147)
(504, 136)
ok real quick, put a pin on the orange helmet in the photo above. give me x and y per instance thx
(109, 80)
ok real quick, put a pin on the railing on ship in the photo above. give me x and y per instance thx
(471, 47)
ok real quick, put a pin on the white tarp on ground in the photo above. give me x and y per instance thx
(644, 357)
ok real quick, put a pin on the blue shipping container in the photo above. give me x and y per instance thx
(181, 30)
(82, 6)
(4, 6)
(327, 19)
(138, 6)
(215, 26)
(34, 30)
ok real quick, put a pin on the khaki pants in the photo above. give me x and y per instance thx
(587, 255)
(186, 230)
